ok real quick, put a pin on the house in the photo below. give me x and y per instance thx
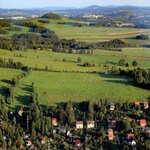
(142, 122)
(132, 143)
(78, 143)
(112, 106)
(146, 130)
(110, 134)
(54, 122)
(20, 112)
(146, 105)
(79, 124)
(28, 143)
(90, 124)
(130, 136)
(136, 104)
(112, 123)
(43, 140)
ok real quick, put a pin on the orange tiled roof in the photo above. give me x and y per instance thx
(137, 103)
(145, 103)
(130, 135)
(142, 121)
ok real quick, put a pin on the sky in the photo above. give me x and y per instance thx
(69, 3)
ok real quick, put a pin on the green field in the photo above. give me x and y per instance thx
(74, 82)
(88, 34)
(55, 87)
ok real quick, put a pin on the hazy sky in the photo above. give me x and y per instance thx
(69, 3)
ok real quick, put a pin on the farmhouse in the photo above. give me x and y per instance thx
(79, 124)
(90, 124)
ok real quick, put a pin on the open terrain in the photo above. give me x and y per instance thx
(74, 82)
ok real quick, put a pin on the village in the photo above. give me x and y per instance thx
(120, 126)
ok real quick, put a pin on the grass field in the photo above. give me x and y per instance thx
(89, 34)
(54, 87)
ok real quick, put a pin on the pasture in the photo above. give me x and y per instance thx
(54, 87)
(88, 34)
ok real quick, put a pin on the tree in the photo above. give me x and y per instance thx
(134, 63)
(79, 60)
(121, 62)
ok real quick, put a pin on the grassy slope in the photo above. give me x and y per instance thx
(89, 34)
(59, 87)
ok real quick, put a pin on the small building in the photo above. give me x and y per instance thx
(130, 136)
(54, 122)
(79, 124)
(146, 105)
(90, 124)
(142, 122)
(112, 123)
(146, 130)
(28, 143)
(112, 106)
(43, 140)
(132, 143)
(78, 143)
(110, 134)
(136, 104)
(20, 112)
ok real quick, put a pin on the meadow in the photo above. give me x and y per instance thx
(88, 34)
(70, 83)
(74, 82)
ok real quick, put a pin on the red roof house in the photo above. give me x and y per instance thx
(137, 104)
(130, 136)
(146, 105)
(54, 122)
(142, 122)
(110, 134)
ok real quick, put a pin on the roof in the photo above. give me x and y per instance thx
(130, 135)
(54, 119)
(79, 122)
(145, 103)
(142, 121)
(110, 134)
(137, 103)
(78, 141)
(90, 122)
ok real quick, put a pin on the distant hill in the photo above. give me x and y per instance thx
(51, 16)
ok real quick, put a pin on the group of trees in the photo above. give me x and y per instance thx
(76, 24)
(142, 37)
(52, 16)
(140, 77)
